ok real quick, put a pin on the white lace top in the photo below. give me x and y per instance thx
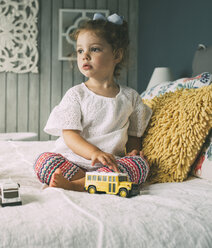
(103, 121)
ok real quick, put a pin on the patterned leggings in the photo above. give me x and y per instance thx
(136, 167)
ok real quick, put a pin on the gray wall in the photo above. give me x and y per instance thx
(26, 100)
(169, 33)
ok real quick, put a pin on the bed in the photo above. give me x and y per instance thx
(164, 214)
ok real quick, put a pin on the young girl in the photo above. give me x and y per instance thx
(99, 119)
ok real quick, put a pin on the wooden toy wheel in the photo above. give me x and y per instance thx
(92, 189)
(123, 192)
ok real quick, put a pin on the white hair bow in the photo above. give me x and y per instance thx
(116, 19)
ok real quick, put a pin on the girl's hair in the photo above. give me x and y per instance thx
(116, 35)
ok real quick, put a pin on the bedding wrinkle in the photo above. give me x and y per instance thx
(19, 153)
(83, 211)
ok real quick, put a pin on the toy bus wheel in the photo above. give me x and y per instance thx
(123, 192)
(92, 189)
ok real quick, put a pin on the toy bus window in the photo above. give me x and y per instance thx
(110, 179)
(13, 194)
(114, 179)
(122, 178)
(94, 178)
(114, 187)
(105, 178)
(99, 178)
(89, 178)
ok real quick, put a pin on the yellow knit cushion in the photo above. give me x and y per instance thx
(177, 130)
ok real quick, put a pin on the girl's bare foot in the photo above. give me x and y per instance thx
(59, 181)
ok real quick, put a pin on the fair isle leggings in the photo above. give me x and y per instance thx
(136, 167)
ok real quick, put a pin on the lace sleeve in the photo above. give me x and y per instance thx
(67, 115)
(139, 118)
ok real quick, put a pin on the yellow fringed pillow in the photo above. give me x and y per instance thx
(177, 130)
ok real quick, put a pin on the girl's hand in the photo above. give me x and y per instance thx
(133, 153)
(136, 152)
(105, 159)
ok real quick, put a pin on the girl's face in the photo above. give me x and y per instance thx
(95, 57)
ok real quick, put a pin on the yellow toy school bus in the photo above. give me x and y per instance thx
(110, 183)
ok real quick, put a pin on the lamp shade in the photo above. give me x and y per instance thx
(160, 75)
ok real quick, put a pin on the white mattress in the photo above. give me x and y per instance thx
(163, 215)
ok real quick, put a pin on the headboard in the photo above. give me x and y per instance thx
(202, 61)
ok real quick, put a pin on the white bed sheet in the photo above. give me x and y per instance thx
(163, 215)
